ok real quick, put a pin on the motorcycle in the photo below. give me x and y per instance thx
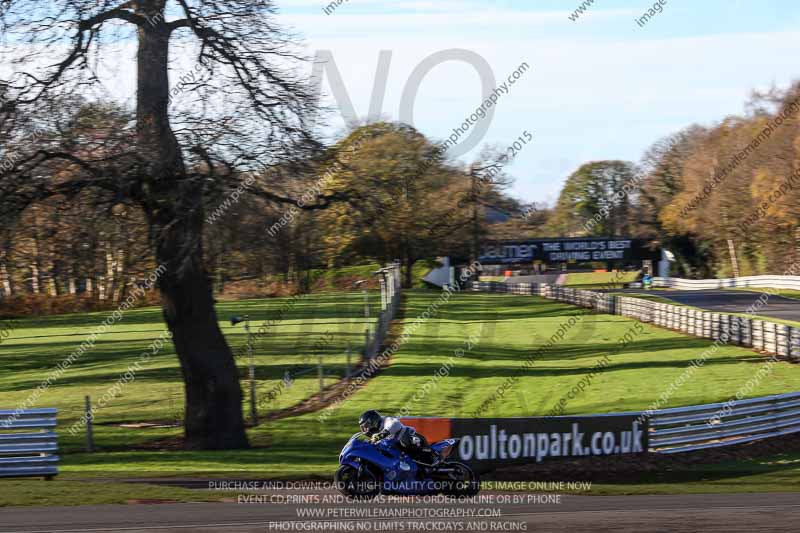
(368, 469)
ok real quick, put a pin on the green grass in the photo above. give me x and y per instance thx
(509, 328)
(596, 280)
(313, 326)
(777, 474)
(65, 492)
(342, 277)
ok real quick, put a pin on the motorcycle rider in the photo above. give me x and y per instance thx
(378, 427)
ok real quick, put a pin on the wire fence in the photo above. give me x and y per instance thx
(286, 368)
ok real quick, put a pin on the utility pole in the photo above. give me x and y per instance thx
(475, 218)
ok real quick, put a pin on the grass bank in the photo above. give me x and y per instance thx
(505, 330)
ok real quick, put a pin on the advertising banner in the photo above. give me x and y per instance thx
(566, 251)
(498, 441)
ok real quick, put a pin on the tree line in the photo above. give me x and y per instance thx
(723, 197)
(399, 197)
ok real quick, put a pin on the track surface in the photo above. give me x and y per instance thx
(730, 302)
(708, 513)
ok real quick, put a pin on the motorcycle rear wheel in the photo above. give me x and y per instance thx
(360, 487)
(466, 482)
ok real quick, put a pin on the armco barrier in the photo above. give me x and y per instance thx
(764, 336)
(768, 282)
(684, 429)
(28, 443)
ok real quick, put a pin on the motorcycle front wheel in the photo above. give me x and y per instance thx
(359, 486)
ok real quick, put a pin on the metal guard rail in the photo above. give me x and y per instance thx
(699, 427)
(28, 443)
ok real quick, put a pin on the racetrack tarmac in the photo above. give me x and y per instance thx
(706, 513)
(721, 301)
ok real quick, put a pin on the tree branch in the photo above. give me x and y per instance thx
(117, 13)
(326, 200)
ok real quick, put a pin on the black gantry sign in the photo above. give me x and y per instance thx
(565, 251)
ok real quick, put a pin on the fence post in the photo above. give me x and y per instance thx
(89, 431)
(787, 331)
(320, 374)
(383, 293)
(349, 353)
(252, 372)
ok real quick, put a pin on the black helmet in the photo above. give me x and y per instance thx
(370, 422)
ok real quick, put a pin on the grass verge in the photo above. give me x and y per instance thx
(509, 328)
(506, 330)
(59, 492)
(600, 280)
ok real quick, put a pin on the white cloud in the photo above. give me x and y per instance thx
(587, 98)
(589, 95)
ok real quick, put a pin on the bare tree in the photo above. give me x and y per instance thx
(246, 112)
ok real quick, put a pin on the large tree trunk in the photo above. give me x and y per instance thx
(213, 418)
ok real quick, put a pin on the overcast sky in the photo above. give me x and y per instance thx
(601, 87)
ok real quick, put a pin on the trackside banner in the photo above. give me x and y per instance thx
(496, 441)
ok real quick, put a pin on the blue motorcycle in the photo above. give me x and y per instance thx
(371, 468)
